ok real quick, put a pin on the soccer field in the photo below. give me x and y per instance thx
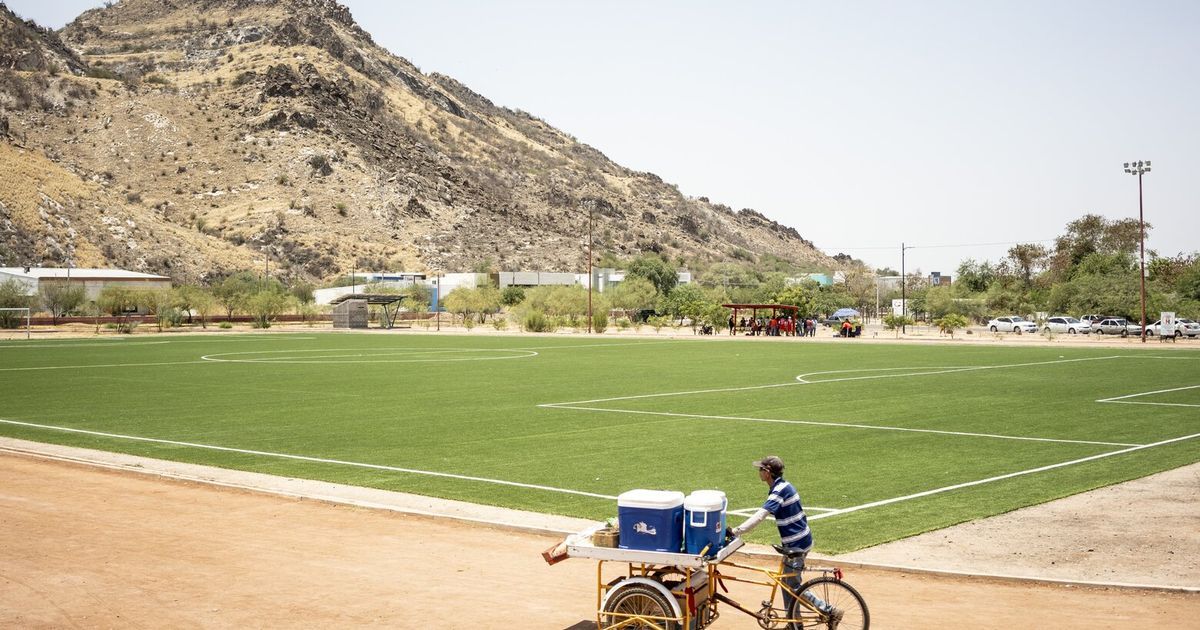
(882, 440)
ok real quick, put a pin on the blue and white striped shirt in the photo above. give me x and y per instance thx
(784, 504)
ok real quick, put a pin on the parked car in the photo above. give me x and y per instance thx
(1069, 325)
(1116, 326)
(1095, 319)
(1012, 323)
(1183, 327)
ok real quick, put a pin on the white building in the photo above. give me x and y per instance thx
(92, 280)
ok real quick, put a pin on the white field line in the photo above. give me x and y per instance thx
(99, 365)
(1002, 477)
(1121, 399)
(800, 381)
(847, 425)
(305, 458)
(124, 344)
(595, 345)
(366, 352)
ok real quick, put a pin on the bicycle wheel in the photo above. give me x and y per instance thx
(639, 600)
(838, 594)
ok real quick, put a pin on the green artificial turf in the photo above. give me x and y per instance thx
(476, 407)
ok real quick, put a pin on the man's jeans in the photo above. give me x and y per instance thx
(796, 565)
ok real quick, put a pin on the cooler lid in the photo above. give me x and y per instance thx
(705, 501)
(650, 499)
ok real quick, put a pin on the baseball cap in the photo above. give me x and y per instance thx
(772, 464)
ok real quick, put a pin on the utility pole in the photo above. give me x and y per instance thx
(591, 206)
(903, 293)
(1139, 168)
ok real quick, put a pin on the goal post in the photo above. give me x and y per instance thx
(10, 317)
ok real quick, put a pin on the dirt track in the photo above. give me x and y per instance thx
(87, 547)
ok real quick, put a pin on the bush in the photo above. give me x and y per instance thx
(657, 322)
(499, 323)
(320, 164)
(536, 321)
(623, 323)
(599, 321)
(949, 323)
(225, 325)
(170, 318)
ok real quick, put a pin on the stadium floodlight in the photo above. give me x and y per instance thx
(1140, 168)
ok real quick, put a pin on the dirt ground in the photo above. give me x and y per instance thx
(90, 547)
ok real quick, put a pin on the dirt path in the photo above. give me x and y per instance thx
(88, 547)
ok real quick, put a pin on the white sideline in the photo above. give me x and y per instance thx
(838, 424)
(99, 365)
(1002, 477)
(121, 343)
(319, 460)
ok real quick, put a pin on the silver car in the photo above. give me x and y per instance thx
(1068, 325)
(1116, 326)
(1012, 323)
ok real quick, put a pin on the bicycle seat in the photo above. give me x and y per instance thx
(788, 553)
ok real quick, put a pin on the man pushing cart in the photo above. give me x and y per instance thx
(667, 585)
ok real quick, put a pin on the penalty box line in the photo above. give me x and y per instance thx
(1011, 475)
(1121, 399)
(846, 425)
(306, 458)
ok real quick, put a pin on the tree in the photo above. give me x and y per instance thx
(119, 301)
(634, 295)
(1025, 259)
(486, 301)
(1188, 283)
(264, 306)
(202, 303)
(303, 292)
(658, 271)
(685, 301)
(975, 277)
(12, 295)
(512, 296)
(234, 292)
(459, 302)
(417, 297)
(60, 298)
(895, 322)
(116, 300)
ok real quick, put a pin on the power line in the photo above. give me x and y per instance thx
(892, 247)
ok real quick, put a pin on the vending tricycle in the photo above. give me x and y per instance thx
(683, 591)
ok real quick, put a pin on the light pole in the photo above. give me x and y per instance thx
(590, 204)
(1140, 168)
(903, 292)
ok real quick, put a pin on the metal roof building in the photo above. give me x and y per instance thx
(93, 280)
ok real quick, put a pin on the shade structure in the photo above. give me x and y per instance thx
(845, 312)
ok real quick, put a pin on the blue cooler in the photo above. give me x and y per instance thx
(651, 520)
(704, 521)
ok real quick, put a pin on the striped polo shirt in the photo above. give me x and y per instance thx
(784, 504)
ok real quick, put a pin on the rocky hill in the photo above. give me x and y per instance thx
(192, 137)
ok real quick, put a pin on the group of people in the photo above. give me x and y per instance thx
(776, 326)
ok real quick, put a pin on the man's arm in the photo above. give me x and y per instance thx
(751, 522)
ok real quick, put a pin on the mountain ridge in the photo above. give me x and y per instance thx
(235, 131)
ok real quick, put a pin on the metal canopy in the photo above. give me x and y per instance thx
(386, 300)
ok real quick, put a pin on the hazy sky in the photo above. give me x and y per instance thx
(958, 127)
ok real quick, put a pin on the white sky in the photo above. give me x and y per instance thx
(863, 125)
